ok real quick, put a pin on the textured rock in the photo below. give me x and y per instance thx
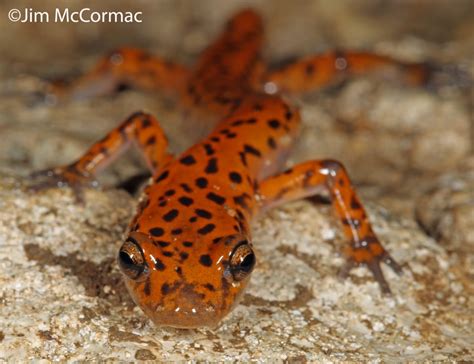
(446, 211)
(61, 295)
(388, 131)
(63, 299)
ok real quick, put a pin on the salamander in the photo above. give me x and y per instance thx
(188, 252)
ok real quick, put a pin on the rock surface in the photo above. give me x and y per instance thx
(446, 211)
(61, 294)
(63, 299)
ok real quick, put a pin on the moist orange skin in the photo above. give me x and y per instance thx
(199, 205)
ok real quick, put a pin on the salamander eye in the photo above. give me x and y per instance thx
(131, 260)
(242, 261)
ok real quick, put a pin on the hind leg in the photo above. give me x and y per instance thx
(314, 72)
(128, 67)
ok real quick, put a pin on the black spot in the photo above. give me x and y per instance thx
(209, 149)
(235, 177)
(165, 288)
(215, 139)
(183, 256)
(168, 254)
(151, 140)
(240, 215)
(355, 204)
(162, 176)
(186, 201)
(162, 204)
(203, 213)
(231, 135)
(104, 151)
(147, 288)
(193, 219)
(146, 123)
(273, 123)
(240, 200)
(201, 182)
(187, 244)
(188, 160)
(206, 229)
(159, 265)
(271, 143)
(309, 69)
(186, 187)
(122, 128)
(162, 243)
(170, 192)
(215, 198)
(205, 260)
(156, 231)
(176, 231)
(237, 123)
(170, 215)
(210, 287)
(251, 121)
(251, 150)
(211, 166)
(243, 158)
(288, 115)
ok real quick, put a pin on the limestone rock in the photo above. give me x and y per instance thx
(446, 211)
(63, 299)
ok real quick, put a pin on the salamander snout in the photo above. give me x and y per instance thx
(194, 289)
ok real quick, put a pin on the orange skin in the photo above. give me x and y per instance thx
(179, 260)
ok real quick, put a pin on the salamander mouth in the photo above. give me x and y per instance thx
(186, 316)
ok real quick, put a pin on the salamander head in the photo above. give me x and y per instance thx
(186, 284)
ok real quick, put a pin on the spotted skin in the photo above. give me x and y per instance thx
(139, 128)
(123, 68)
(322, 70)
(193, 221)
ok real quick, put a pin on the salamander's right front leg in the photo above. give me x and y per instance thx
(141, 128)
(310, 178)
(128, 67)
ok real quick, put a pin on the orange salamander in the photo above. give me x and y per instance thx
(188, 254)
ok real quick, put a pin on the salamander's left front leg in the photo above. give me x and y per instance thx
(310, 178)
